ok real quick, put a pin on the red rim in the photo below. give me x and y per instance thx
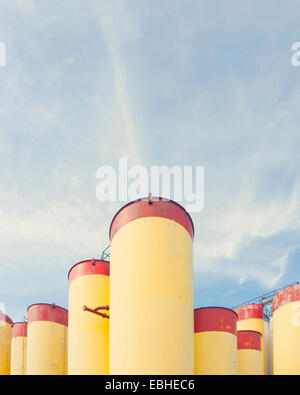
(249, 311)
(249, 340)
(19, 329)
(5, 318)
(286, 295)
(88, 267)
(159, 207)
(215, 319)
(47, 312)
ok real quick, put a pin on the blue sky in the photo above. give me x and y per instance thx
(187, 82)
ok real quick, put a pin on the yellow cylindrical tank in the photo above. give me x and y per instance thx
(215, 341)
(5, 343)
(88, 339)
(267, 348)
(151, 289)
(47, 340)
(251, 318)
(271, 346)
(286, 331)
(18, 348)
(249, 353)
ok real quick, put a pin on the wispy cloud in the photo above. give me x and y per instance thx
(120, 31)
(162, 83)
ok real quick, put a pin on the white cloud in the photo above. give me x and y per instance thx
(162, 83)
(19, 4)
(120, 28)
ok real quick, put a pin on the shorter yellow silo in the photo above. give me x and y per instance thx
(47, 340)
(88, 318)
(18, 348)
(249, 353)
(215, 341)
(251, 318)
(5, 343)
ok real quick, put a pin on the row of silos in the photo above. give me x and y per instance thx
(38, 346)
(280, 334)
(134, 315)
(148, 287)
(146, 291)
(221, 349)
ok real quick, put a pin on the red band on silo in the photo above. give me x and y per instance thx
(249, 340)
(287, 295)
(85, 268)
(5, 318)
(217, 319)
(158, 207)
(249, 311)
(47, 312)
(19, 329)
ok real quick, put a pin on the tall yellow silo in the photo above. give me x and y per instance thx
(286, 331)
(251, 318)
(18, 348)
(249, 353)
(215, 341)
(47, 340)
(5, 343)
(88, 340)
(151, 289)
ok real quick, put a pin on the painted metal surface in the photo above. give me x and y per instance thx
(271, 346)
(215, 341)
(18, 349)
(47, 338)
(88, 332)
(151, 290)
(267, 348)
(286, 331)
(251, 317)
(157, 207)
(249, 352)
(5, 343)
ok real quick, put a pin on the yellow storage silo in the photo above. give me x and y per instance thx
(5, 343)
(271, 345)
(251, 318)
(47, 340)
(215, 341)
(18, 348)
(88, 339)
(286, 331)
(267, 348)
(151, 289)
(249, 353)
